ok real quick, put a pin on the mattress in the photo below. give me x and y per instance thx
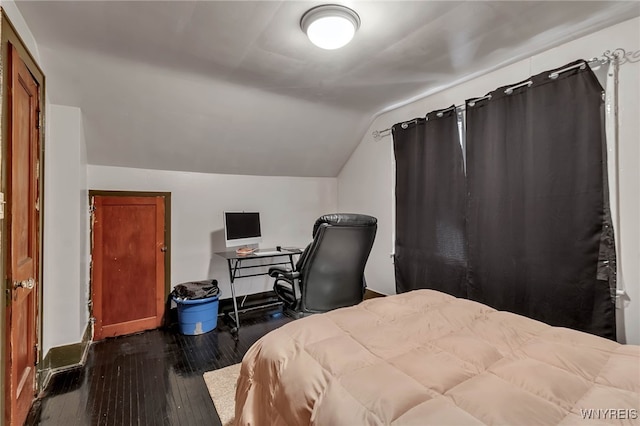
(425, 357)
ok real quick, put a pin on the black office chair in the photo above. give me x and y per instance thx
(330, 271)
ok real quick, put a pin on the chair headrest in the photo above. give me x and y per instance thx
(344, 219)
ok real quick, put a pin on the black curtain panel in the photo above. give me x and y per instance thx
(538, 219)
(430, 205)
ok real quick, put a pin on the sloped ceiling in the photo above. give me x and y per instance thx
(236, 87)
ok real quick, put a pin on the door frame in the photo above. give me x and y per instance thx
(167, 236)
(8, 34)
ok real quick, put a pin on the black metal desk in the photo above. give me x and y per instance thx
(235, 263)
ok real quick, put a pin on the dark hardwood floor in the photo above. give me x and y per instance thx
(151, 378)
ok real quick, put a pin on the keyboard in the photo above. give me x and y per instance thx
(269, 253)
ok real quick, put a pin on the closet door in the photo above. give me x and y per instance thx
(128, 269)
(24, 248)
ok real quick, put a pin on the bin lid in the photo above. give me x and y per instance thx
(191, 290)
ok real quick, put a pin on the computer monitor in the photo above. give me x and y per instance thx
(242, 228)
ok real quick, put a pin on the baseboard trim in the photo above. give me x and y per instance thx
(62, 358)
(267, 298)
(252, 301)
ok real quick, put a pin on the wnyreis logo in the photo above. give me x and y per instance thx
(609, 413)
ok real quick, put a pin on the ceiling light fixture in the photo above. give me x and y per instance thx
(330, 26)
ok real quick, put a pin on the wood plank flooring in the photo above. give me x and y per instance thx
(151, 378)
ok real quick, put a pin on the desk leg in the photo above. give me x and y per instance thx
(235, 309)
(232, 275)
(293, 284)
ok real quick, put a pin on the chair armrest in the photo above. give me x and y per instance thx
(282, 271)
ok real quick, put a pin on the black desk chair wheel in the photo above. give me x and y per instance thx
(330, 271)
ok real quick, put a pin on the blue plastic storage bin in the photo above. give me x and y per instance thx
(197, 316)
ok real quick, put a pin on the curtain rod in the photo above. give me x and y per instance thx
(608, 56)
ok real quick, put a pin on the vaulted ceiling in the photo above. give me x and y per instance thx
(236, 87)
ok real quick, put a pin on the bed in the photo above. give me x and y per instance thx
(425, 357)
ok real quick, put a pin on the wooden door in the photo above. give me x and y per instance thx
(128, 267)
(23, 233)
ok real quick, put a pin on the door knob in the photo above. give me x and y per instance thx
(28, 284)
(163, 249)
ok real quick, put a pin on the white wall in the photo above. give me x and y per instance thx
(288, 208)
(65, 210)
(365, 183)
(21, 27)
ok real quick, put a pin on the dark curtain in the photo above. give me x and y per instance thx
(538, 219)
(430, 205)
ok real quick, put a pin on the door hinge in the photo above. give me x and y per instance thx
(37, 169)
(36, 353)
(38, 119)
(38, 204)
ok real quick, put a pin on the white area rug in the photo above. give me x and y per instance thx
(222, 388)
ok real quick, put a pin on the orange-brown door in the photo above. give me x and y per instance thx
(128, 268)
(24, 249)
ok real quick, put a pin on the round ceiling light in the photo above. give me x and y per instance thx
(330, 26)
